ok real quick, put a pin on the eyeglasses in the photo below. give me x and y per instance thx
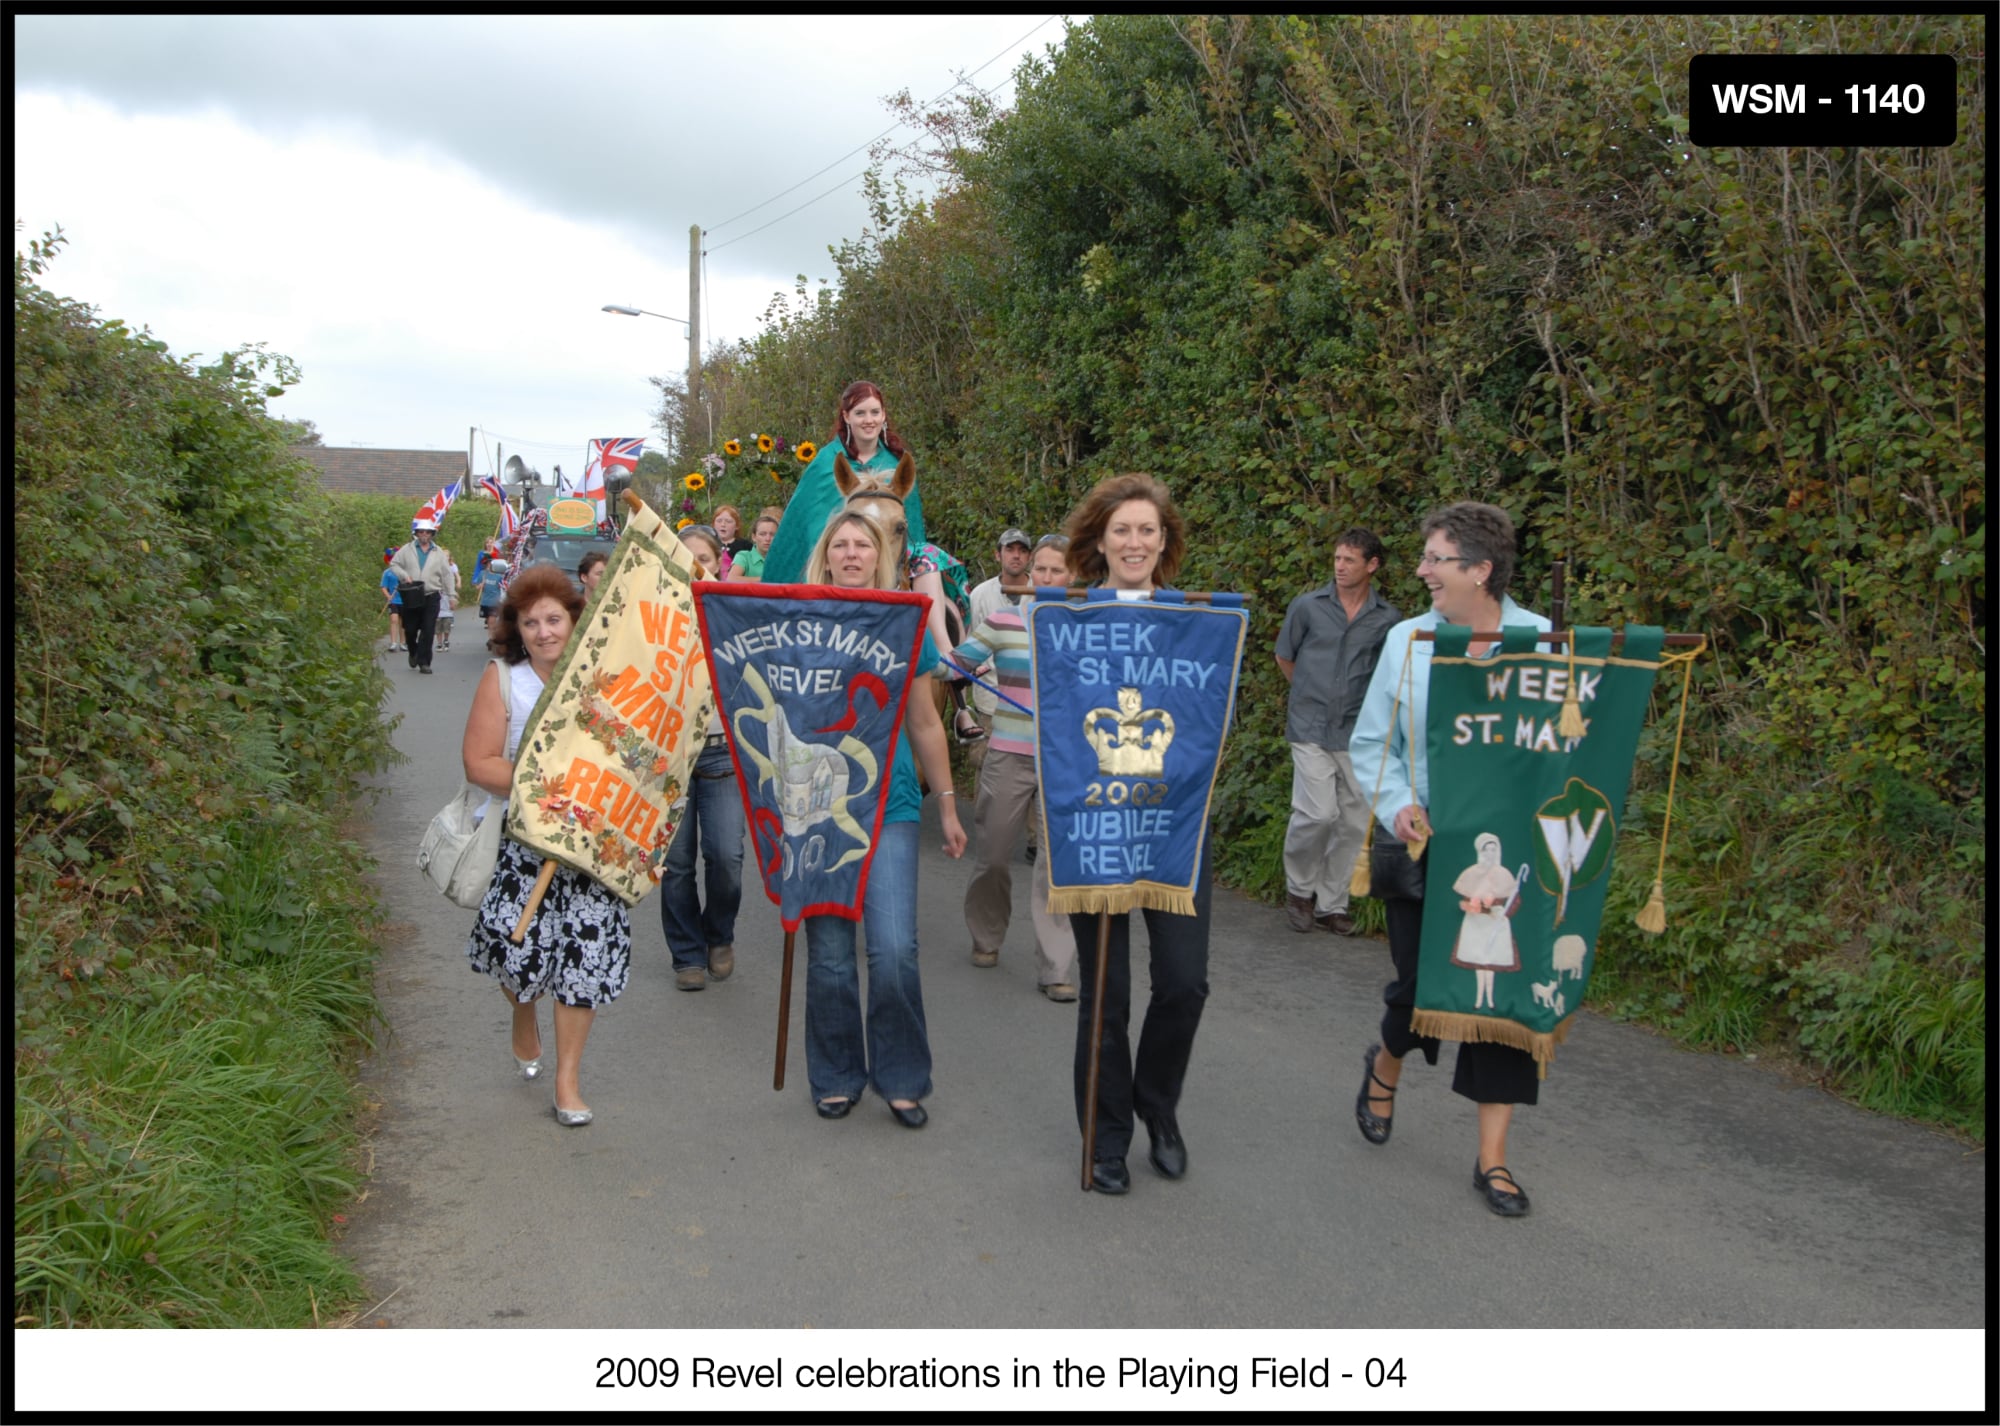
(1430, 559)
(1060, 542)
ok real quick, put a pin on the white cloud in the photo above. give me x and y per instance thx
(428, 213)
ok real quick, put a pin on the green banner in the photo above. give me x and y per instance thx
(1523, 824)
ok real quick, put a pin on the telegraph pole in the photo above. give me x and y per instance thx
(694, 339)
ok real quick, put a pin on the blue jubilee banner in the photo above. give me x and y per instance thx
(1133, 700)
(810, 685)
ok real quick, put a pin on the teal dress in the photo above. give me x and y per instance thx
(817, 501)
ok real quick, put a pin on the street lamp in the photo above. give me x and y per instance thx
(624, 311)
(694, 362)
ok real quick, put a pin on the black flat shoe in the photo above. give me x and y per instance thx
(1506, 1204)
(1168, 1152)
(1110, 1176)
(1374, 1128)
(833, 1108)
(912, 1118)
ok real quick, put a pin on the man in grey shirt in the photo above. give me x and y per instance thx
(1327, 648)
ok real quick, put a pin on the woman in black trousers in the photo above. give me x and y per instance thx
(1128, 536)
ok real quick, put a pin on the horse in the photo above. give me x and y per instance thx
(881, 499)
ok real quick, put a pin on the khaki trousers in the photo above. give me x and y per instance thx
(1003, 809)
(1329, 819)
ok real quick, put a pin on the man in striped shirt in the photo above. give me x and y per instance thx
(1007, 792)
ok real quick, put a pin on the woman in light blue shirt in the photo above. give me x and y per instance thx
(1467, 564)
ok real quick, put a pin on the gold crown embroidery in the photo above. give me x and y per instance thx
(1125, 745)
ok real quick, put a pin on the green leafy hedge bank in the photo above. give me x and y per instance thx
(193, 698)
(1335, 270)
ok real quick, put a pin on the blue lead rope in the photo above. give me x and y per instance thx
(960, 668)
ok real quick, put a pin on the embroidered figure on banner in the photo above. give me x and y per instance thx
(812, 779)
(1573, 850)
(1489, 897)
(1130, 741)
(1569, 952)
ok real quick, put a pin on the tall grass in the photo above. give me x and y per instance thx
(179, 1160)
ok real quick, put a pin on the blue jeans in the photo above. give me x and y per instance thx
(896, 1054)
(713, 823)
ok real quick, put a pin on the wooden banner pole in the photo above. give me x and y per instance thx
(534, 899)
(1096, 1045)
(1078, 591)
(784, 1012)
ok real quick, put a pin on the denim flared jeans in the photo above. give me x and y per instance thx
(894, 1052)
(712, 824)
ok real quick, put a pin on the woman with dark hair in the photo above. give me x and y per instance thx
(1467, 564)
(578, 947)
(893, 1053)
(589, 570)
(1127, 536)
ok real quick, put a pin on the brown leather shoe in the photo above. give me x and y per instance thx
(1299, 912)
(1338, 922)
(690, 978)
(986, 958)
(721, 961)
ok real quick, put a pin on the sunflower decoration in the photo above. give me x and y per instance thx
(694, 480)
(683, 524)
(777, 474)
(805, 451)
(732, 448)
(765, 445)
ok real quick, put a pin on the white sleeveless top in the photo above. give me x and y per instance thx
(523, 686)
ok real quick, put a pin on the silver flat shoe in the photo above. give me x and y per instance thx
(572, 1118)
(529, 1068)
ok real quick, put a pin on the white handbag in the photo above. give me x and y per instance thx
(459, 854)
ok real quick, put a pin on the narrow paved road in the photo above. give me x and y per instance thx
(1670, 1189)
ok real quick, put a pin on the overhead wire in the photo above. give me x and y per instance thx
(900, 123)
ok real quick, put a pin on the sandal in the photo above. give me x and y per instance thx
(1508, 1204)
(1374, 1128)
(967, 735)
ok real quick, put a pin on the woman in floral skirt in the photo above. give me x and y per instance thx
(578, 948)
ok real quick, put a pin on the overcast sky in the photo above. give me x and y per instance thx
(428, 214)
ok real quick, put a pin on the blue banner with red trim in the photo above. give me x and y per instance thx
(810, 684)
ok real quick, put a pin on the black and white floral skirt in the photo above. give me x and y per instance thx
(578, 948)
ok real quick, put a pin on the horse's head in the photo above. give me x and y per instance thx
(882, 501)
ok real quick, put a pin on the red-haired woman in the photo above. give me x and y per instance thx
(862, 432)
(1127, 536)
(578, 949)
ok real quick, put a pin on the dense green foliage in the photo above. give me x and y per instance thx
(193, 699)
(1325, 271)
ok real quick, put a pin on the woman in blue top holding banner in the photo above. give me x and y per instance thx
(895, 1055)
(1127, 536)
(1467, 564)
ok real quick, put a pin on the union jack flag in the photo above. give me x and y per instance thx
(509, 523)
(434, 508)
(608, 453)
(493, 488)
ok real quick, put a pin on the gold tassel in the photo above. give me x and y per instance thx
(1362, 882)
(1652, 917)
(1570, 723)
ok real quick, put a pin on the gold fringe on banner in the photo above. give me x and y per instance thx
(1116, 900)
(1472, 1029)
(1362, 881)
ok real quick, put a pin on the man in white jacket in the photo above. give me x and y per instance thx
(420, 567)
